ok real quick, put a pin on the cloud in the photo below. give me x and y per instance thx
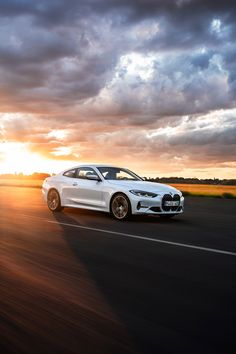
(160, 85)
(199, 139)
(122, 74)
(69, 57)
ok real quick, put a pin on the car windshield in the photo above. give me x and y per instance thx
(115, 173)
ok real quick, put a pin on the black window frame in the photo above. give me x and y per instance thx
(74, 174)
(85, 167)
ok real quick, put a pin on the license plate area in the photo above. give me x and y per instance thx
(171, 203)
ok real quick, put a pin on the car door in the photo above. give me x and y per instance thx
(85, 192)
(66, 186)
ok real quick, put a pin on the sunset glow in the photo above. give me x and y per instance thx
(16, 158)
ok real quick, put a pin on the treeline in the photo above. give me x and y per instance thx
(182, 180)
(174, 180)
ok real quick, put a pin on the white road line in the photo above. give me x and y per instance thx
(206, 249)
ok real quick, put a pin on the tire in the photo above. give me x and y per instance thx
(54, 200)
(120, 207)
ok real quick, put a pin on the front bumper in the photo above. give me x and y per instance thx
(155, 206)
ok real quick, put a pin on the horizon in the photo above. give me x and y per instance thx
(147, 85)
(34, 174)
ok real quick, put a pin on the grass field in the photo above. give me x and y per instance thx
(207, 190)
(35, 183)
(203, 190)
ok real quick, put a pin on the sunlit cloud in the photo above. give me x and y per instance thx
(57, 134)
(61, 151)
(136, 65)
(216, 25)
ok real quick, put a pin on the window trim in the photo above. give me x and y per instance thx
(86, 167)
(73, 169)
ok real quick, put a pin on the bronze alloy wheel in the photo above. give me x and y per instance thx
(120, 207)
(53, 200)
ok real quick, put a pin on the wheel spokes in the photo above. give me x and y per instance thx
(120, 207)
(53, 200)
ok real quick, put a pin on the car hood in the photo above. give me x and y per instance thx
(144, 186)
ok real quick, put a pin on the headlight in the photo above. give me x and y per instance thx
(143, 193)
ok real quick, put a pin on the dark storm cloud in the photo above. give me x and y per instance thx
(64, 63)
(38, 37)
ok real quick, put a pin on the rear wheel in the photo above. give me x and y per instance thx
(120, 207)
(54, 201)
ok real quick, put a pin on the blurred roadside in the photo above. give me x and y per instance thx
(200, 190)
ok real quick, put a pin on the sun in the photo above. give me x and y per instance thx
(16, 158)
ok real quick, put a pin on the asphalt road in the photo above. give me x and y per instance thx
(81, 282)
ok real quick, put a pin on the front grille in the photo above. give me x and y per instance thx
(168, 197)
(176, 197)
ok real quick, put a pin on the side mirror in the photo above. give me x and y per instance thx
(93, 178)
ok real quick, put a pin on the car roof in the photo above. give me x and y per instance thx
(89, 165)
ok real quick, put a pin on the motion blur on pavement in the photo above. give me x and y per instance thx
(76, 282)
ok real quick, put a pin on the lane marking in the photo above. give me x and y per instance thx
(200, 248)
(178, 244)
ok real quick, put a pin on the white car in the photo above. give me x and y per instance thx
(111, 189)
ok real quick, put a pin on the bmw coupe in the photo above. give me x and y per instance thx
(115, 190)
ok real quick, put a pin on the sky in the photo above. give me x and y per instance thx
(144, 84)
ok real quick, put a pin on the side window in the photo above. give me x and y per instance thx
(83, 172)
(70, 173)
(124, 175)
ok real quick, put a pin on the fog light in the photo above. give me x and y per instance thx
(139, 206)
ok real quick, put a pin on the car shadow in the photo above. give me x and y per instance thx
(126, 279)
(100, 215)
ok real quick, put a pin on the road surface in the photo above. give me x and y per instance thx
(81, 282)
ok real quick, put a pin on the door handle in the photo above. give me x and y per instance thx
(75, 184)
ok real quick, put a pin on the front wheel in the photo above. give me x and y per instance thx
(120, 207)
(54, 201)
